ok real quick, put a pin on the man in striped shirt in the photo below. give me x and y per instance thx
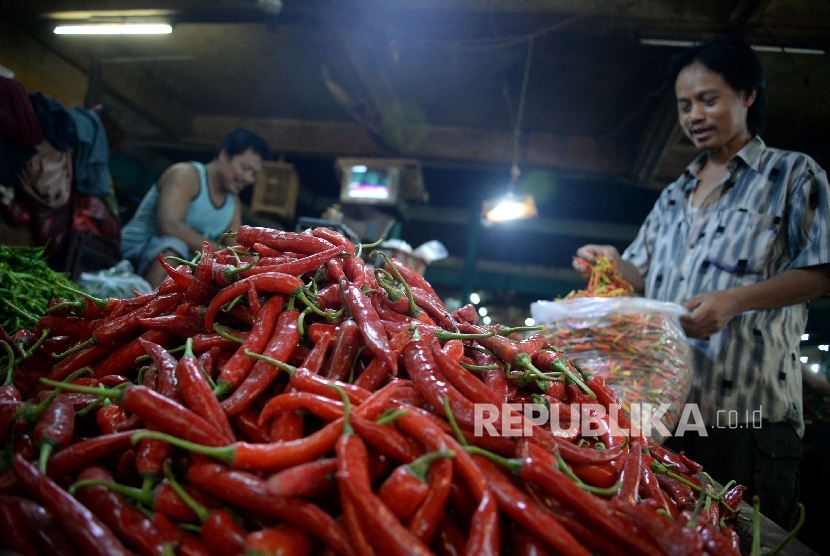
(741, 240)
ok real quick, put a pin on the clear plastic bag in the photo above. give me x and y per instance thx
(636, 344)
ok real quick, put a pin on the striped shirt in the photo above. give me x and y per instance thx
(769, 214)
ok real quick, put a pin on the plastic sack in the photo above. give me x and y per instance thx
(636, 344)
(118, 281)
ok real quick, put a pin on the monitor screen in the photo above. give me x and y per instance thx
(370, 184)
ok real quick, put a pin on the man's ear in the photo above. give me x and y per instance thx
(749, 98)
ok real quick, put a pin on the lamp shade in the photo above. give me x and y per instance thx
(509, 207)
(114, 29)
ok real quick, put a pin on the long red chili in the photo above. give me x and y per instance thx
(371, 327)
(53, 430)
(234, 372)
(162, 412)
(305, 480)
(198, 395)
(346, 344)
(300, 242)
(249, 491)
(88, 532)
(282, 344)
(132, 526)
(388, 536)
(271, 282)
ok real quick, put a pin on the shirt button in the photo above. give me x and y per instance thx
(681, 278)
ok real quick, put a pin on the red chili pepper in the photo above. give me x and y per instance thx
(132, 526)
(668, 535)
(265, 251)
(68, 326)
(354, 525)
(198, 395)
(278, 540)
(272, 282)
(220, 532)
(206, 341)
(484, 535)
(123, 360)
(13, 524)
(85, 452)
(407, 487)
(388, 536)
(166, 365)
(234, 372)
(246, 423)
(375, 373)
(161, 412)
(346, 344)
(250, 492)
(335, 238)
(120, 326)
(201, 289)
(387, 441)
(631, 473)
(306, 480)
(109, 417)
(540, 467)
(289, 425)
(329, 297)
(681, 493)
(279, 455)
(297, 267)
(88, 532)
(39, 526)
(433, 385)
(53, 430)
(413, 278)
(371, 327)
(733, 496)
(272, 333)
(181, 325)
(280, 240)
(180, 276)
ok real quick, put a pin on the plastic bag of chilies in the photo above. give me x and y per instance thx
(636, 344)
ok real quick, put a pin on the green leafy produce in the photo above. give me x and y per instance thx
(26, 284)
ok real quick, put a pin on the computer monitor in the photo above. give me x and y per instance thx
(371, 182)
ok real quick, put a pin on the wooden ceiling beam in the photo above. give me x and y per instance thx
(575, 154)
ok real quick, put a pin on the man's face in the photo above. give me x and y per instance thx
(241, 170)
(711, 113)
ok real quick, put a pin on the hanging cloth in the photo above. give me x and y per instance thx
(92, 173)
(57, 125)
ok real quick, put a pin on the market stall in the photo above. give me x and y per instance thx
(258, 401)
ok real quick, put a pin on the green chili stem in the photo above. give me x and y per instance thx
(75, 348)
(479, 368)
(10, 370)
(222, 331)
(756, 527)
(391, 416)
(225, 454)
(284, 366)
(459, 436)
(567, 471)
(201, 512)
(513, 464)
(347, 408)
(413, 308)
(777, 550)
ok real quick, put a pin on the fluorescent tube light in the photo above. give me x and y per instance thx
(115, 29)
(757, 48)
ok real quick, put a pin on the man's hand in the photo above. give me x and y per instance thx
(710, 312)
(589, 253)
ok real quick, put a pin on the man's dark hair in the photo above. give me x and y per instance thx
(240, 140)
(740, 67)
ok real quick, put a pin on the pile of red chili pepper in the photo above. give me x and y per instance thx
(605, 280)
(280, 397)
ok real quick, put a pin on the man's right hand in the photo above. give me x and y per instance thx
(589, 253)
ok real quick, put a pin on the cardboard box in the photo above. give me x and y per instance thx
(276, 190)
